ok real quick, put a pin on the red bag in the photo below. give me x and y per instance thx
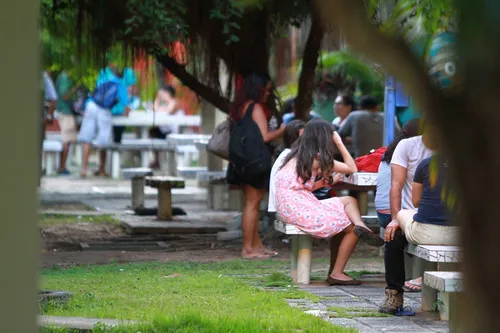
(370, 162)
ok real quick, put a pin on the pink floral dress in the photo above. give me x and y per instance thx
(298, 206)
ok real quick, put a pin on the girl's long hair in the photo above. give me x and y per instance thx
(315, 143)
(253, 89)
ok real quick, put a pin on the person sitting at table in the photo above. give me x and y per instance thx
(382, 204)
(312, 158)
(166, 102)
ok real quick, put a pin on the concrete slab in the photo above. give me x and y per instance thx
(180, 225)
(80, 323)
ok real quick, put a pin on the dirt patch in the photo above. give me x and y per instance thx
(69, 236)
(67, 207)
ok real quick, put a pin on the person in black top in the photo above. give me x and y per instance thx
(431, 223)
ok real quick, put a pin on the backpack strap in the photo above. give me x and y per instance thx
(250, 110)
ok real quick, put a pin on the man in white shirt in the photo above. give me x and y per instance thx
(407, 156)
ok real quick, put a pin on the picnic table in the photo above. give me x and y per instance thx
(363, 182)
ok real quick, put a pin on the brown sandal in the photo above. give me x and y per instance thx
(334, 282)
(368, 237)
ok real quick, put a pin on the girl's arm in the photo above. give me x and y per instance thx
(416, 193)
(260, 119)
(348, 166)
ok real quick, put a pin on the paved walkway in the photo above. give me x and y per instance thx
(356, 307)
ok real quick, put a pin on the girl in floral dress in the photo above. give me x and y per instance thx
(309, 166)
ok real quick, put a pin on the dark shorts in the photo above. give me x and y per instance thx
(118, 133)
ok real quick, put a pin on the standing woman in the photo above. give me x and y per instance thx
(250, 103)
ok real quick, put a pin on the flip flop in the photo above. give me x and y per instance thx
(334, 282)
(412, 286)
(405, 312)
(269, 252)
(368, 237)
(258, 256)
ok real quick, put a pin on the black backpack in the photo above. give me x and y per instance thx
(248, 153)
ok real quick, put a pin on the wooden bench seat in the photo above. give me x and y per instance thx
(434, 258)
(448, 284)
(137, 177)
(165, 184)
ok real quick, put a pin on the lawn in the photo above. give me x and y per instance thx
(186, 297)
(48, 219)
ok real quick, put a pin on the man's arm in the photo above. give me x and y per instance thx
(398, 179)
(346, 129)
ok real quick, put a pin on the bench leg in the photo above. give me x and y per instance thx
(137, 192)
(363, 202)
(115, 164)
(171, 163)
(444, 307)
(294, 257)
(50, 162)
(304, 259)
(164, 204)
(429, 295)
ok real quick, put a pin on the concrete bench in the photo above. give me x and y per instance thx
(137, 177)
(164, 184)
(223, 196)
(204, 177)
(301, 252)
(52, 151)
(189, 171)
(140, 145)
(433, 258)
(448, 284)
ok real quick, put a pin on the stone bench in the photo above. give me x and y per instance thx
(301, 252)
(204, 177)
(164, 184)
(137, 177)
(190, 172)
(52, 151)
(448, 284)
(433, 258)
(223, 196)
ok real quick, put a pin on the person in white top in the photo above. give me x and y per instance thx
(407, 156)
(343, 106)
(292, 133)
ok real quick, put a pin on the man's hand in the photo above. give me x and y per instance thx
(390, 230)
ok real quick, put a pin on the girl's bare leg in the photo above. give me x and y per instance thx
(352, 210)
(347, 244)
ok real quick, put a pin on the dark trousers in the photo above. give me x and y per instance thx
(394, 261)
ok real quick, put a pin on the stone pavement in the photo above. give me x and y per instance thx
(356, 307)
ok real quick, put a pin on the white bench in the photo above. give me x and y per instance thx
(448, 284)
(434, 258)
(137, 177)
(190, 172)
(301, 252)
(52, 151)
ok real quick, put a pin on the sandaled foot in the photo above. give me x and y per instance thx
(332, 281)
(254, 255)
(413, 286)
(100, 174)
(367, 236)
(268, 252)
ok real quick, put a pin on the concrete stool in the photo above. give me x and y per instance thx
(165, 184)
(137, 176)
(52, 150)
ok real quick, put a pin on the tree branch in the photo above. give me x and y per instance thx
(309, 64)
(205, 92)
(390, 52)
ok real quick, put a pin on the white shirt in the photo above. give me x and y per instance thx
(408, 154)
(271, 207)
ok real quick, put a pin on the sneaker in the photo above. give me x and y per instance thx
(393, 301)
(64, 172)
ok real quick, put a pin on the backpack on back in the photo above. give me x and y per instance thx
(106, 94)
(248, 153)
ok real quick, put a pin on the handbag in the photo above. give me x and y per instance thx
(219, 141)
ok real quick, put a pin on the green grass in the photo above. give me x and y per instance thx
(185, 297)
(338, 312)
(48, 219)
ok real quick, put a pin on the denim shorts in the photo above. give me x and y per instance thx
(97, 124)
(384, 219)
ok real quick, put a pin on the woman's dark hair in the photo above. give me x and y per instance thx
(292, 132)
(348, 100)
(253, 89)
(316, 139)
(288, 106)
(409, 130)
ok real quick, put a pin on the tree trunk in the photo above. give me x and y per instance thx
(465, 120)
(309, 64)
